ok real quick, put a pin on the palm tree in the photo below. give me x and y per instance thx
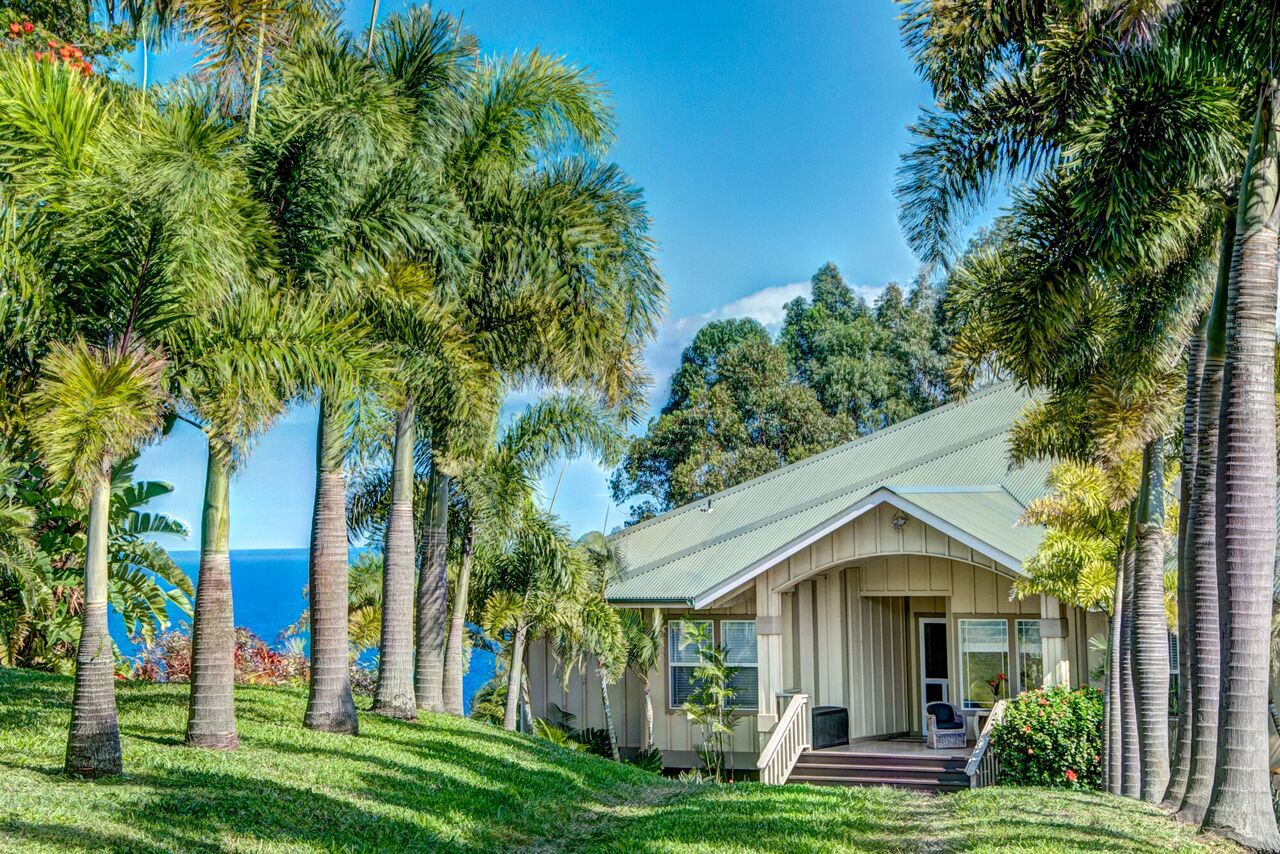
(495, 485)
(1246, 532)
(241, 366)
(91, 408)
(601, 636)
(643, 638)
(348, 190)
(563, 291)
(1200, 717)
(431, 599)
(1151, 634)
(529, 584)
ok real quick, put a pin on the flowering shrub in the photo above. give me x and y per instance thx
(22, 34)
(257, 663)
(1051, 738)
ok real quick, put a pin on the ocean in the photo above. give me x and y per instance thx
(266, 590)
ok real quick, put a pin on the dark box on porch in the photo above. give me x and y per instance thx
(830, 726)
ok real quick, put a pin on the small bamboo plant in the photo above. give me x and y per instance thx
(711, 704)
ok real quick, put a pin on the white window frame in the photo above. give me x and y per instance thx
(717, 637)
(674, 650)
(753, 665)
(960, 651)
(1016, 643)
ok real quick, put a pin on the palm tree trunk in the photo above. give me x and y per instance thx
(453, 648)
(1151, 628)
(1203, 652)
(1131, 766)
(1190, 446)
(1115, 732)
(329, 704)
(433, 596)
(93, 744)
(514, 674)
(373, 23)
(394, 696)
(526, 717)
(1241, 805)
(259, 51)
(211, 716)
(608, 714)
(648, 715)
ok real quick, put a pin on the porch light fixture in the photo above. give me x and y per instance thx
(898, 521)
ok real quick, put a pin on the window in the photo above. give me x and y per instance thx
(1030, 656)
(738, 637)
(682, 658)
(984, 653)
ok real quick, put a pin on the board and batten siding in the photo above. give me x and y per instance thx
(672, 730)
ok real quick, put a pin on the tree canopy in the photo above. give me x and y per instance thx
(741, 404)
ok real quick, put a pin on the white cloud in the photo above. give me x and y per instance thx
(764, 305)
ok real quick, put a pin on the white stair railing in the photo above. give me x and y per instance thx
(984, 766)
(791, 737)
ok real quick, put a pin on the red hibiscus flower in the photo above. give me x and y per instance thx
(27, 26)
(1071, 776)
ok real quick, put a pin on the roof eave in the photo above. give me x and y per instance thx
(883, 495)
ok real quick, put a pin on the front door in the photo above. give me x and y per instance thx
(934, 686)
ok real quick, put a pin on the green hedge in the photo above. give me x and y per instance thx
(1051, 738)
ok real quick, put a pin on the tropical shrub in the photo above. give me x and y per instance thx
(711, 704)
(1052, 738)
(257, 662)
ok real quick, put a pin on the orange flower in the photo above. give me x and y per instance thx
(15, 27)
(52, 42)
(1071, 775)
(1026, 729)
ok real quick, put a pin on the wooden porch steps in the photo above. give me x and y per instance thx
(904, 771)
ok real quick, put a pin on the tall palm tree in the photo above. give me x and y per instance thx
(1246, 534)
(564, 290)
(1200, 717)
(495, 485)
(241, 365)
(1151, 633)
(431, 599)
(349, 192)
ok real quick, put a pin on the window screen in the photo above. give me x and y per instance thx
(682, 657)
(1030, 655)
(984, 653)
(738, 637)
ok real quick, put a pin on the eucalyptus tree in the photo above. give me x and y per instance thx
(495, 485)
(240, 366)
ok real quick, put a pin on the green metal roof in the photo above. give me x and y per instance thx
(948, 466)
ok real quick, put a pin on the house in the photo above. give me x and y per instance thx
(874, 577)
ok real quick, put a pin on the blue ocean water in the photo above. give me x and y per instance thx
(266, 589)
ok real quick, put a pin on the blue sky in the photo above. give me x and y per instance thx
(766, 136)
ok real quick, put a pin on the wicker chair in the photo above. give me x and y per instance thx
(947, 726)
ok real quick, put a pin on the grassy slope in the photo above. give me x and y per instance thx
(446, 784)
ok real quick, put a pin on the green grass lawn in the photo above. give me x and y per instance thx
(444, 784)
